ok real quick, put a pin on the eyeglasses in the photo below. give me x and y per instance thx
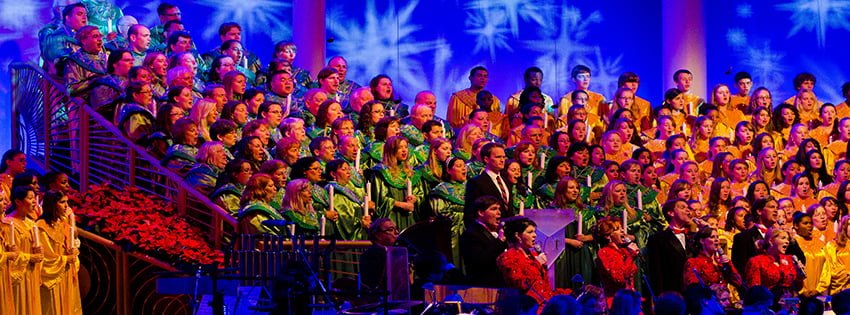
(317, 168)
(392, 230)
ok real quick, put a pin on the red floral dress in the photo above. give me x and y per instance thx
(764, 270)
(524, 273)
(710, 272)
(617, 268)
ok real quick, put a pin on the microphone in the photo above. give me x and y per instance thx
(800, 266)
(725, 265)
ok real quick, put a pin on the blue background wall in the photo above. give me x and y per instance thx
(433, 44)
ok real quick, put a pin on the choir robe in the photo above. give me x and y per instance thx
(447, 200)
(26, 275)
(390, 187)
(651, 207)
(428, 180)
(228, 197)
(838, 262)
(598, 180)
(252, 215)
(60, 288)
(305, 223)
(7, 303)
(596, 104)
(576, 260)
(817, 270)
(462, 103)
(474, 168)
(348, 203)
(82, 70)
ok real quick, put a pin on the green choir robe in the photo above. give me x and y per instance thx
(389, 188)
(348, 203)
(252, 215)
(446, 200)
(228, 197)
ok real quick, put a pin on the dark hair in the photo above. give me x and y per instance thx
(373, 85)
(375, 228)
(231, 170)
(221, 127)
(751, 189)
(9, 155)
(301, 166)
(49, 178)
(803, 77)
(265, 107)
(516, 225)
(114, 57)
(730, 218)
(383, 125)
(759, 206)
(476, 69)
(214, 76)
(481, 204)
(670, 206)
(163, 121)
(168, 24)
(229, 108)
(174, 92)
(325, 73)
(19, 193)
(551, 174)
(678, 72)
(529, 71)
(242, 148)
(332, 166)
(51, 213)
(173, 38)
(627, 77)
(778, 122)
(578, 70)
(696, 240)
(488, 148)
(428, 125)
(162, 7)
(67, 11)
(225, 27)
(322, 113)
(742, 75)
(316, 143)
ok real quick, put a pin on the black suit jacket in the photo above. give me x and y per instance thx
(479, 186)
(744, 247)
(373, 267)
(479, 250)
(667, 260)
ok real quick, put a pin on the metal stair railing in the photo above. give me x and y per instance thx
(47, 125)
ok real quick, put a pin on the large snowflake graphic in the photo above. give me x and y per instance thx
(384, 43)
(818, 16)
(490, 33)
(252, 15)
(736, 38)
(765, 65)
(514, 10)
(744, 10)
(563, 47)
(606, 72)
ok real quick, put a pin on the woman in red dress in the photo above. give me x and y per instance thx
(616, 256)
(712, 266)
(774, 269)
(521, 265)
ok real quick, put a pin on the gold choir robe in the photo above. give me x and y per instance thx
(462, 103)
(26, 275)
(60, 292)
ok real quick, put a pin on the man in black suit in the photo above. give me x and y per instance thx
(489, 182)
(482, 243)
(744, 244)
(373, 262)
(668, 249)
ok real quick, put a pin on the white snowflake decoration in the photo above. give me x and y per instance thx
(384, 43)
(736, 38)
(818, 16)
(765, 66)
(514, 11)
(560, 51)
(490, 33)
(252, 15)
(20, 15)
(744, 10)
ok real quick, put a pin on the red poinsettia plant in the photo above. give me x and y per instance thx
(147, 222)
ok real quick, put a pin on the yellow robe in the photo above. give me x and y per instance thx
(837, 148)
(462, 103)
(26, 275)
(740, 101)
(842, 110)
(817, 270)
(60, 290)
(596, 104)
(7, 305)
(838, 262)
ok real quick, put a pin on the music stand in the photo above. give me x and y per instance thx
(550, 233)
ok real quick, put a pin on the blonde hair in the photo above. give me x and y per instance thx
(205, 151)
(772, 234)
(202, 108)
(292, 197)
(432, 163)
(841, 237)
(608, 193)
(391, 147)
(463, 143)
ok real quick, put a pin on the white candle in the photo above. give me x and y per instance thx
(691, 108)
(357, 161)
(365, 204)
(521, 208)
(699, 197)
(337, 97)
(322, 223)
(545, 118)
(35, 236)
(108, 26)
(639, 199)
(12, 230)
(331, 198)
(529, 179)
(392, 112)
(368, 191)
(834, 227)
(542, 160)
(587, 132)
(803, 208)
(830, 139)
(820, 185)
(443, 124)
(625, 220)
(288, 105)
(292, 229)
(580, 221)
(588, 181)
(73, 223)
(409, 188)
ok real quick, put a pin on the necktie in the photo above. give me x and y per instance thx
(679, 230)
(502, 188)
